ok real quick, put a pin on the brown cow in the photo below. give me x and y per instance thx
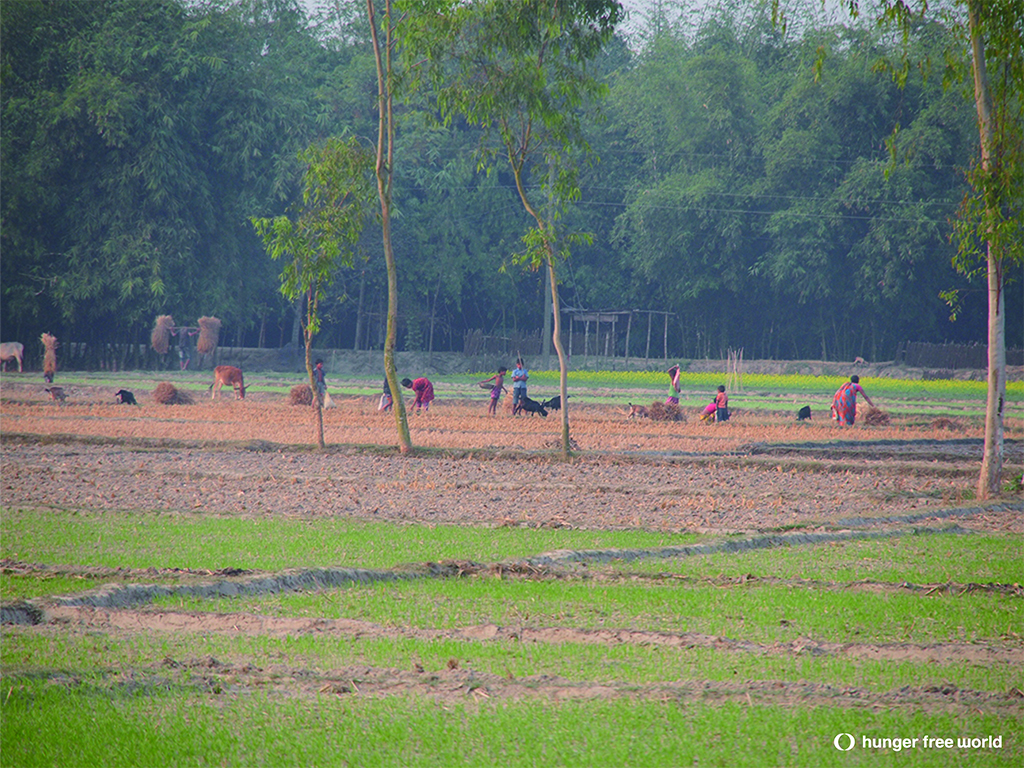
(227, 374)
(12, 350)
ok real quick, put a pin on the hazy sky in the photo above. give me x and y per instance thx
(639, 10)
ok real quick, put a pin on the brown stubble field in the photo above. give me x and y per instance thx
(756, 472)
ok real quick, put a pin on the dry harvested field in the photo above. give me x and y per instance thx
(759, 475)
(753, 473)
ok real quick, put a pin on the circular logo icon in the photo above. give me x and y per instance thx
(841, 738)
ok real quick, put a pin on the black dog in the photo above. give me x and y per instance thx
(530, 406)
(124, 397)
(804, 413)
(555, 403)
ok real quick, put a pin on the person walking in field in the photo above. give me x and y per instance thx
(496, 389)
(424, 392)
(844, 401)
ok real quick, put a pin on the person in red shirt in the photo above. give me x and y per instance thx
(424, 392)
(718, 409)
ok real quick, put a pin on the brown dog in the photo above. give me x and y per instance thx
(638, 412)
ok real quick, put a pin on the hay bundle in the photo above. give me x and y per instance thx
(209, 334)
(944, 423)
(168, 394)
(876, 418)
(50, 356)
(160, 338)
(666, 412)
(301, 394)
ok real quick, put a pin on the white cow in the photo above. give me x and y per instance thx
(12, 350)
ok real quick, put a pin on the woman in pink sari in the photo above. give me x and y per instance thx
(844, 401)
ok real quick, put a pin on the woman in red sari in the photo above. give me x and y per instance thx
(844, 401)
(424, 392)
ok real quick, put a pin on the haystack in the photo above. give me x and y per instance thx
(168, 394)
(876, 418)
(50, 356)
(301, 394)
(209, 334)
(160, 338)
(660, 411)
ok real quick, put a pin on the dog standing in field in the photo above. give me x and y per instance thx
(57, 394)
(638, 412)
(804, 413)
(124, 397)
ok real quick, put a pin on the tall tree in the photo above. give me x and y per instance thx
(334, 201)
(994, 213)
(383, 31)
(519, 70)
(993, 35)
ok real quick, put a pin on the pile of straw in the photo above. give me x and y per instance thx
(50, 356)
(301, 394)
(168, 394)
(209, 333)
(660, 411)
(160, 338)
(876, 418)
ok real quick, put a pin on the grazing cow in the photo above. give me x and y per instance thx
(229, 375)
(12, 350)
(638, 412)
(124, 397)
(804, 413)
(530, 406)
(57, 393)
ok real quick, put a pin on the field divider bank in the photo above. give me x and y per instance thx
(38, 610)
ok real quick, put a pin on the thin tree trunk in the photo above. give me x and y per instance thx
(990, 476)
(384, 172)
(563, 365)
(361, 312)
(318, 400)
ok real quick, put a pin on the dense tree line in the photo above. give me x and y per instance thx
(764, 207)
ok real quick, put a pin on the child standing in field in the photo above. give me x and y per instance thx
(718, 409)
(496, 389)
